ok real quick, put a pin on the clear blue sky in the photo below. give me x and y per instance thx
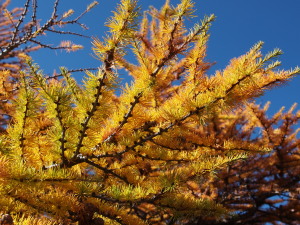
(239, 25)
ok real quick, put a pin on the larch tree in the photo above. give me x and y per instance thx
(174, 146)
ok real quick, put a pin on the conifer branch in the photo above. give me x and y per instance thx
(50, 47)
(27, 203)
(57, 101)
(67, 33)
(125, 118)
(24, 118)
(160, 159)
(34, 15)
(62, 139)
(170, 148)
(71, 71)
(150, 137)
(109, 57)
(90, 114)
(16, 31)
(89, 7)
(24, 33)
(264, 126)
(22, 138)
(107, 171)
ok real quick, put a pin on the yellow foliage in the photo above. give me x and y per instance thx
(136, 153)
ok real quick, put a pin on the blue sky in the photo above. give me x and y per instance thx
(239, 25)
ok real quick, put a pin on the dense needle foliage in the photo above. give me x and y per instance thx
(20, 32)
(174, 146)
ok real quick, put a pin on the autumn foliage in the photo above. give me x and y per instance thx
(173, 146)
(264, 187)
(20, 32)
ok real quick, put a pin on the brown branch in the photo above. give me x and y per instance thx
(125, 118)
(71, 71)
(90, 114)
(28, 35)
(16, 31)
(107, 171)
